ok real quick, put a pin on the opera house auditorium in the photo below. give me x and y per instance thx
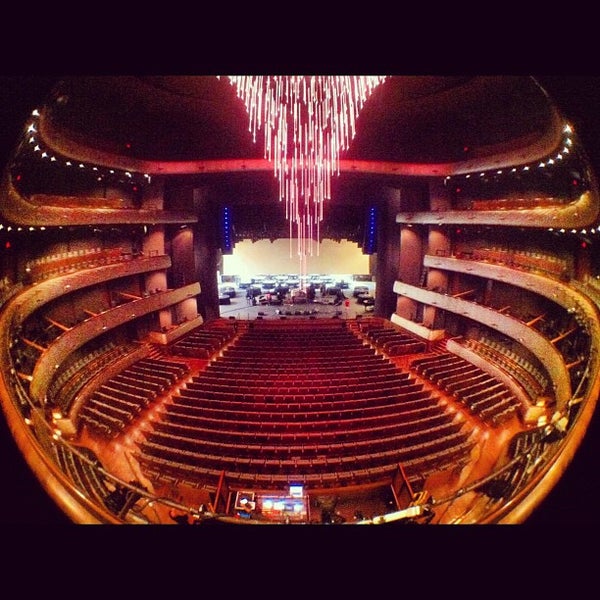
(298, 300)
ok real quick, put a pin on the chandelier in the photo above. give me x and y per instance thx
(307, 121)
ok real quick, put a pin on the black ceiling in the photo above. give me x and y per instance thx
(410, 119)
(407, 118)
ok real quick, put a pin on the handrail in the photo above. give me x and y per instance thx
(24, 399)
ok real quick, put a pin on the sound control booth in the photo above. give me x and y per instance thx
(292, 507)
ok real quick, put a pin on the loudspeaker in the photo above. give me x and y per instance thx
(227, 241)
(370, 235)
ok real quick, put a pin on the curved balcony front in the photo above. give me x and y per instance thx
(580, 213)
(77, 336)
(542, 348)
(21, 211)
(32, 298)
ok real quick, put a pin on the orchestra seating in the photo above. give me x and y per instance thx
(297, 402)
(205, 340)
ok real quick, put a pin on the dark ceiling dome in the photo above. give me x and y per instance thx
(407, 118)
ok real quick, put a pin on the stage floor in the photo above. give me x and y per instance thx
(240, 309)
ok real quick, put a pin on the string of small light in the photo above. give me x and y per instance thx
(307, 122)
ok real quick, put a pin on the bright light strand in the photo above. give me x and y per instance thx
(307, 121)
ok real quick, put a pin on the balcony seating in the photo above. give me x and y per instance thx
(479, 391)
(115, 404)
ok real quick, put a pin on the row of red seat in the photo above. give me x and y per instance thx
(52, 266)
(482, 393)
(334, 377)
(114, 405)
(329, 431)
(369, 366)
(332, 394)
(301, 420)
(287, 363)
(175, 471)
(223, 407)
(353, 458)
(333, 444)
(532, 380)
(294, 385)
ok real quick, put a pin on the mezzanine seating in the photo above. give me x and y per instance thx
(46, 267)
(531, 379)
(117, 402)
(66, 386)
(390, 339)
(479, 391)
(519, 259)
